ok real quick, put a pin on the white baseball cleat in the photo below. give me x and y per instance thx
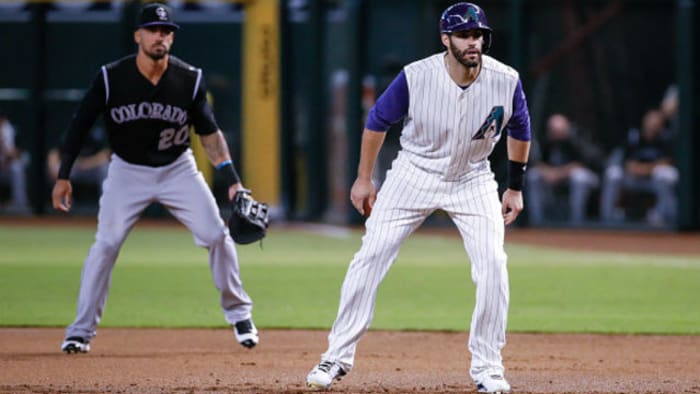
(323, 375)
(75, 345)
(493, 383)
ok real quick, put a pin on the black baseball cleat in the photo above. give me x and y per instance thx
(246, 333)
(75, 345)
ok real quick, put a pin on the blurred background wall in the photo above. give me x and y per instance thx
(602, 63)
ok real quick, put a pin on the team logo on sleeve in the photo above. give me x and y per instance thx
(492, 125)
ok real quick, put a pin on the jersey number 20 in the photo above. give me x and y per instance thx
(170, 137)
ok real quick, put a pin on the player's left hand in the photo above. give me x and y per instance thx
(249, 218)
(512, 205)
(233, 189)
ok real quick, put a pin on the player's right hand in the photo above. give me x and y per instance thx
(62, 195)
(363, 192)
(511, 206)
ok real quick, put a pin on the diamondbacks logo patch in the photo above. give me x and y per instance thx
(492, 125)
(472, 14)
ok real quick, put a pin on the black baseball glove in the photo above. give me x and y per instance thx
(249, 218)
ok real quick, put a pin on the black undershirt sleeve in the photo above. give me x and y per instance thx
(202, 114)
(84, 118)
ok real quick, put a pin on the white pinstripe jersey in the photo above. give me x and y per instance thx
(451, 131)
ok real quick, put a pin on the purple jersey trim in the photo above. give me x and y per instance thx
(391, 106)
(518, 126)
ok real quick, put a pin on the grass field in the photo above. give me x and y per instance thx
(162, 280)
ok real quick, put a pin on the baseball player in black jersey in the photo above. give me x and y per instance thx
(148, 102)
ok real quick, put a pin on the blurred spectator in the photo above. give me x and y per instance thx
(645, 166)
(669, 107)
(561, 169)
(12, 167)
(91, 166)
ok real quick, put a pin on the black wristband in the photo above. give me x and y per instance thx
(229, 172)
(65, 168)
(516, 175)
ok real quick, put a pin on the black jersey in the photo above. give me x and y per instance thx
(146, 124)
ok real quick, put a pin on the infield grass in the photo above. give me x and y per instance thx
(162, 279)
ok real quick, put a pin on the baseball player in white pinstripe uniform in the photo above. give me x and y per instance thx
(455, 106)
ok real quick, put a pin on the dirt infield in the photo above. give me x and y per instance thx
(209, 361)
(646, 242)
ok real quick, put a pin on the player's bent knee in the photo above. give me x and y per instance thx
(211, 237)
(104, 247)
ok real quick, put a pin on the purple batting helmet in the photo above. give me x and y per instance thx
(466, 16)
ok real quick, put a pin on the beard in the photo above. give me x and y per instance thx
(156, 53)
(461, 56)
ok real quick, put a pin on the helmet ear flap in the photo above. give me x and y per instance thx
(488, 39)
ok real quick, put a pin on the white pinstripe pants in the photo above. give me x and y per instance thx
(406, 199)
